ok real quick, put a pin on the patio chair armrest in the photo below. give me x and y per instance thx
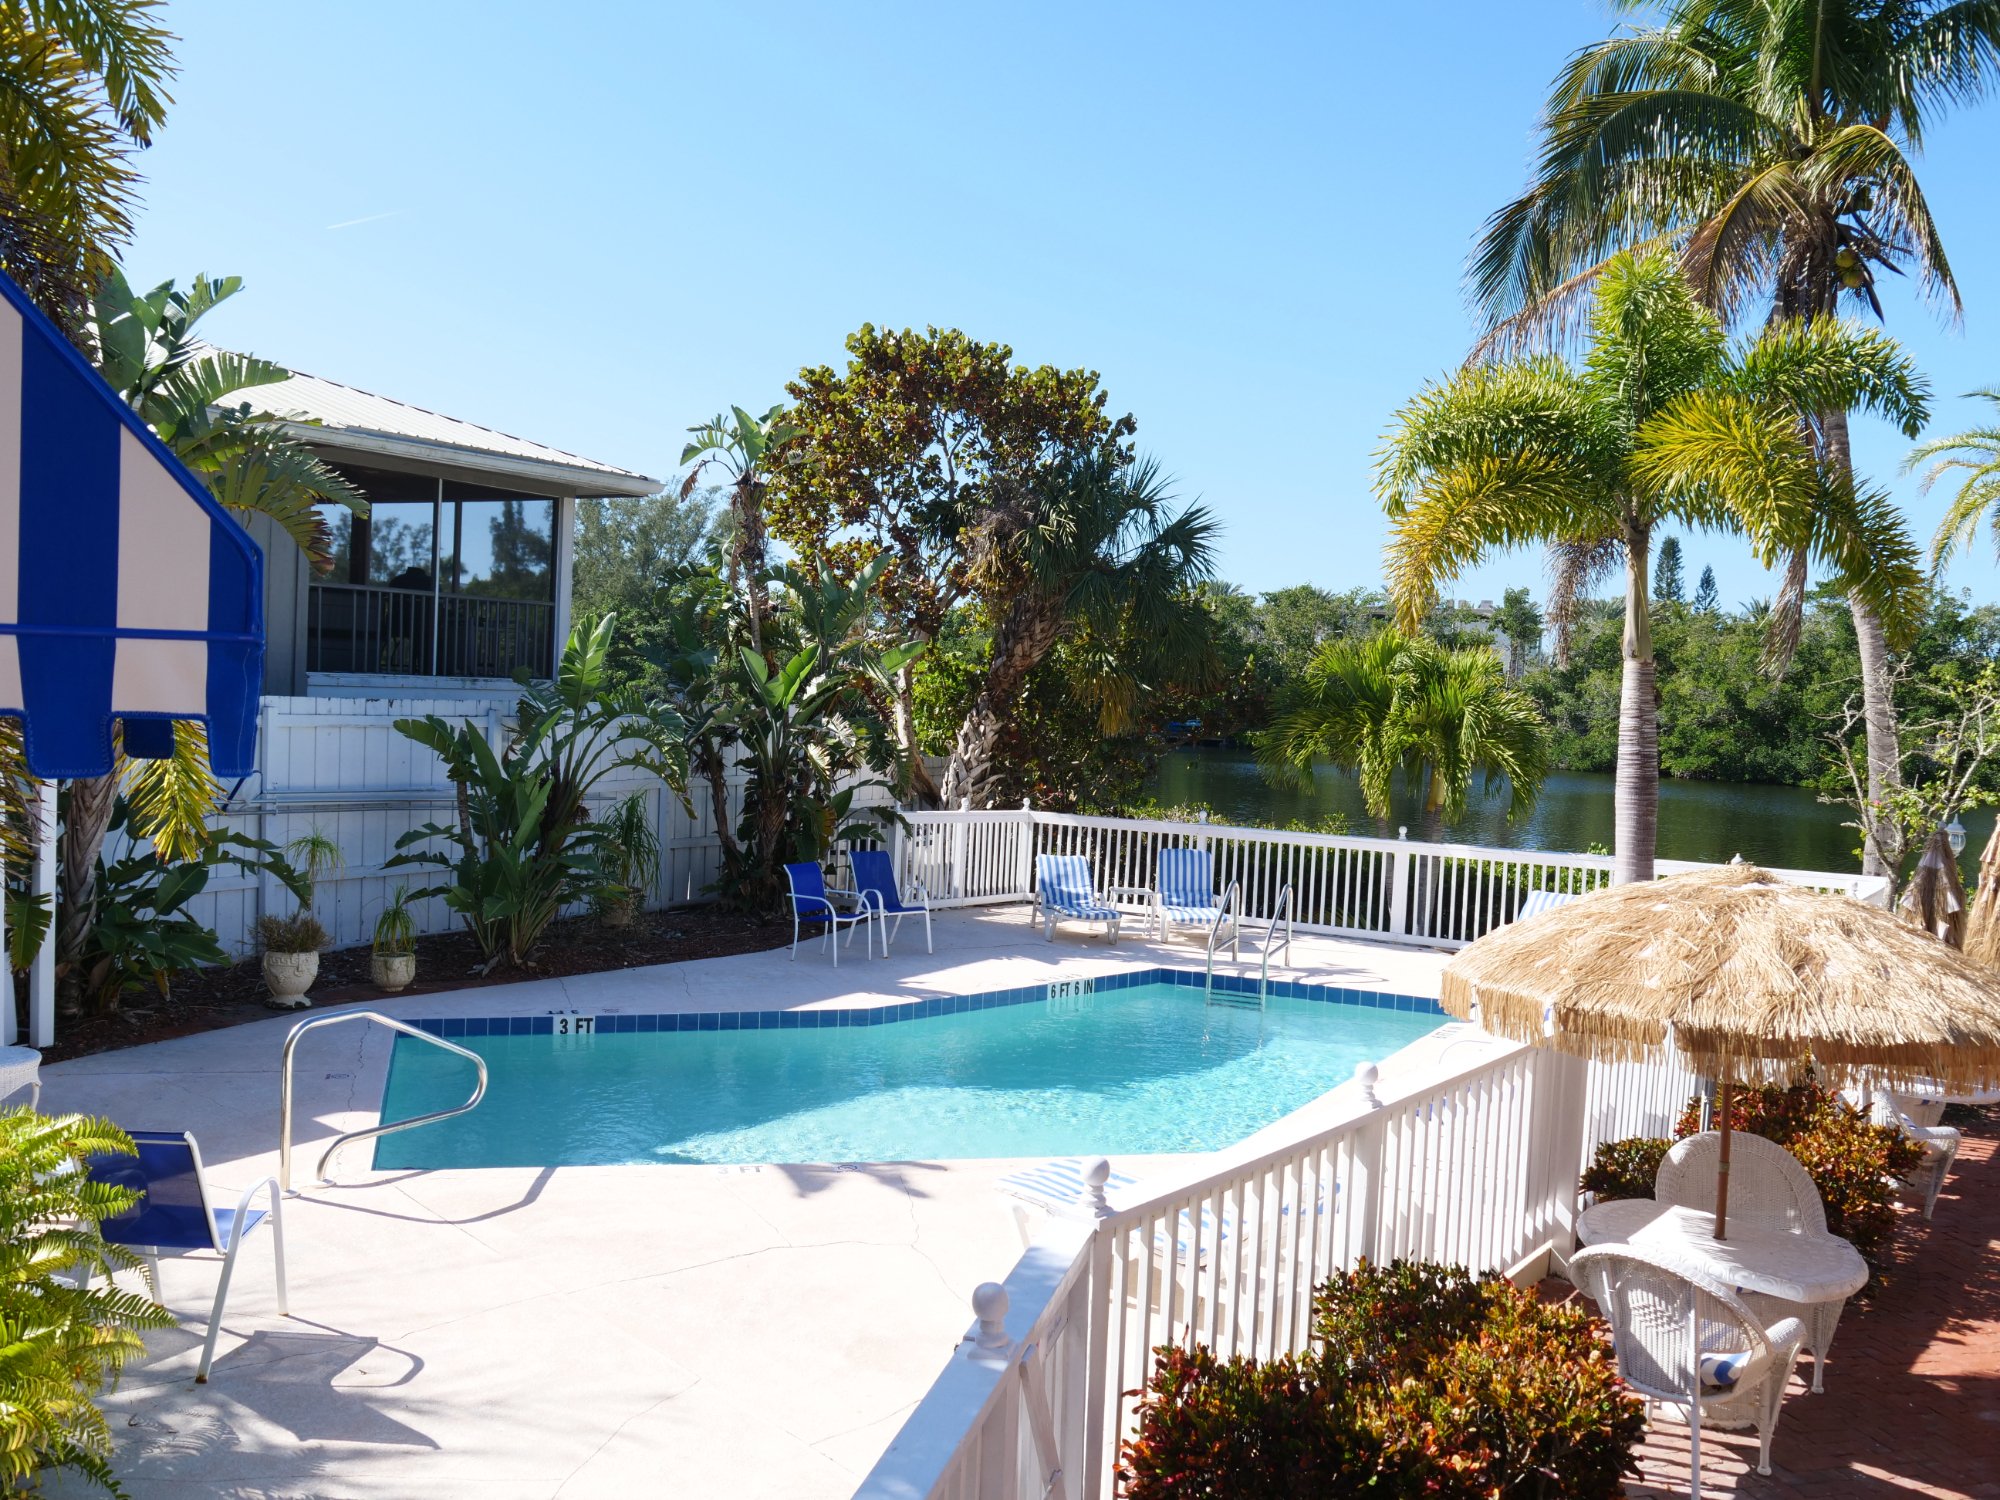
(799, 900)
(922, 896)
(269, 1184)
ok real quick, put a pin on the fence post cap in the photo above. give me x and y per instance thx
(1367, 1076)
(989, 1305)
(1095, 1176)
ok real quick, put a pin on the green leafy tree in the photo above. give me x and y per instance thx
(1660, 423)
(65, 1329)
(1390, 703)
(1970, 459)
(628, 550)
(925, 449)
(1771, 145)
(1098, 546)
(1706, 597)
(1669, 583)
(83, 87)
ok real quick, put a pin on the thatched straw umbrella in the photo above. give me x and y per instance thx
(1935, 897)
(1748, 976)
(1982, 927)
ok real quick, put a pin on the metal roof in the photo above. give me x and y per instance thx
(358, 423)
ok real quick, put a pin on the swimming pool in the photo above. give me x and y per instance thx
(1138, 1064)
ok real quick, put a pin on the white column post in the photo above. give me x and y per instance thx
(1399, 885)
(42, 971)
(1024, 851)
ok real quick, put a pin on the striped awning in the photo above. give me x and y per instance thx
(126, 592)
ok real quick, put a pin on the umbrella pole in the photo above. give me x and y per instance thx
(1723, 1101)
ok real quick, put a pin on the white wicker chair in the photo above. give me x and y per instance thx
(1665, 1316)
(1767, 1186)
(1918, 1118)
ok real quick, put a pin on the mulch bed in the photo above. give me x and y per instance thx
(208, 999)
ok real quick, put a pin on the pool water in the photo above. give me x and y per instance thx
(1148, 1068)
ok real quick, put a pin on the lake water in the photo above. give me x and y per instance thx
(1783, 826)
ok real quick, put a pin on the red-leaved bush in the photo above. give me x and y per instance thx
(1423, 1381)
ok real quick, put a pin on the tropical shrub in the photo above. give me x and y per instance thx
(1625, 1169)
(141, 932)
(629, 857)
(60, 1343)
(396, 928)
(1422, 1381)
(1855, 1164)
(523, 846)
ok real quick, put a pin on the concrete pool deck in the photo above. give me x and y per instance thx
(524, 1334)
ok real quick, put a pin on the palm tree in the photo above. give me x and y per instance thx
(1659, 423)
(1096, 547)
(742, 444)
(1390, 702)
(1973, 459)
(191, 395)
(1771, 143)
(82, 87)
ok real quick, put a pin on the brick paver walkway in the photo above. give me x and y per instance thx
(1912, 1400)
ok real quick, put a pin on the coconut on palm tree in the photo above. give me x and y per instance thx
(1971, 461)
(1771, 143)
(1093, 544)
(1660, 423)
(1439, 714)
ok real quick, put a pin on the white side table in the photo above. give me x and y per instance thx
(21, 1068)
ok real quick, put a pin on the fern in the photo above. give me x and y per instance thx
(61, 1344)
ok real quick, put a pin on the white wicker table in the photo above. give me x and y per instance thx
(21, 1068)
(1813, 1274)
(1616, 1221)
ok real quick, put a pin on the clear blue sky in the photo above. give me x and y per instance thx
(593, 224)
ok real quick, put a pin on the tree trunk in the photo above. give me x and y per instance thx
(1882, 837)
(1027, 634)
(87, 818)
(752, 556)
(1636, 806)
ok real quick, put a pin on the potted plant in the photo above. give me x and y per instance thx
(394, 963)
(628, 857)
(291, 944)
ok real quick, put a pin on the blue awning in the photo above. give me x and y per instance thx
(126, 592)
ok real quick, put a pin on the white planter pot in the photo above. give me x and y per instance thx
(290, 975)
(392, 971)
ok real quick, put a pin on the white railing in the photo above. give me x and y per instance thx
(1475, 1167)
(1440, 895)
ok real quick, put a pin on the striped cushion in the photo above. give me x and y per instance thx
(1724, 1369)
(1187, 880)
(1538, 902)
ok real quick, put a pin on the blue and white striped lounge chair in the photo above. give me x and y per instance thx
(811, 902)
(1537, 902)
(1184, 895)
(875, 879)
(173, 1217)
(1065, 891)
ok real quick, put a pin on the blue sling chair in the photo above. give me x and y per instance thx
(811, 901)
(174, 1217)
(1184, 894)
(875, 879)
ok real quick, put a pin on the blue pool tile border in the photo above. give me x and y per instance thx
(614, 1023)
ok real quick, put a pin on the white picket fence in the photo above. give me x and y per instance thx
(1475, 1167)
(1440, 895)
(338, 765)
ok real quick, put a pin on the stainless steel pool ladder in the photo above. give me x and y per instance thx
(285, 1090)
(1282, 910)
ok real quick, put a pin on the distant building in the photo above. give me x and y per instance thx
(459, 575)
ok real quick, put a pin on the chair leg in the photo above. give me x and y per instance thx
(1694, 1448)
(215, 1313)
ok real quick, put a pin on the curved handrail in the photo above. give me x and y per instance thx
(1284, 907)
(285, 1090)
(1232, 895)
